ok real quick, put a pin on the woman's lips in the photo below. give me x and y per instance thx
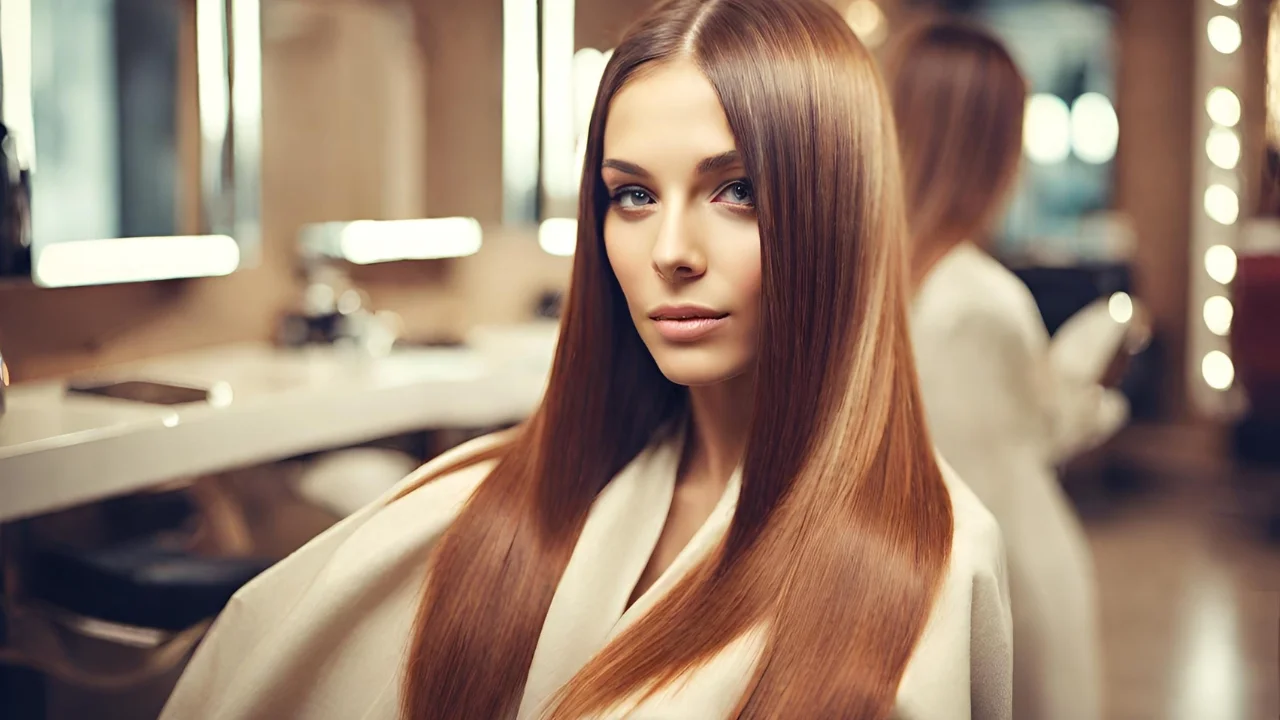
(687, 324)
(688, 330)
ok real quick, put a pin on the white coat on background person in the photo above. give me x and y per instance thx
(1002, 406)
(1003, 414)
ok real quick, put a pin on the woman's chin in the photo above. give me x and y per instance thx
(697, 371)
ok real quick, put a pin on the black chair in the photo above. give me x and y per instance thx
(143, 593)
(140, 584)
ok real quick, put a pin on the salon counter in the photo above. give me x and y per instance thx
(58, 450)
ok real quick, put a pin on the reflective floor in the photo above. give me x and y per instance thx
(1191, 603)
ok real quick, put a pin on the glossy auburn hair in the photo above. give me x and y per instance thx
(842, 531)
(959, 101)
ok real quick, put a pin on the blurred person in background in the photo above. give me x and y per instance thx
(1000, 411)
(713, 513)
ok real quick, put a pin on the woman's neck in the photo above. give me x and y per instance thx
(720, 423)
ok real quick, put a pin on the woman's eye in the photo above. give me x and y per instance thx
(632, 198)
(737, 193)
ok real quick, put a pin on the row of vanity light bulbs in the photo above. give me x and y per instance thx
(1221, 200)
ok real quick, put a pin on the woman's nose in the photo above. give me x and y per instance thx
(677, 254)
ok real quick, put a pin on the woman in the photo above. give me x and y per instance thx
(713, 513)
(1000, 412)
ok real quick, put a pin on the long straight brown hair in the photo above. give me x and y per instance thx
(959, 99)
(843, 529)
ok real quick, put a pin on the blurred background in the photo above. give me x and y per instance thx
(261, 258)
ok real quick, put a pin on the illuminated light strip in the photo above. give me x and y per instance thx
(558, 157)
(134, 259)
(246, 119)
(19, 114)
(365, 242)
(558, 236)
(520, 128)
(213, 93)
(1215, 221)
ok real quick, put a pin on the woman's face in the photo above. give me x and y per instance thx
(681, 229)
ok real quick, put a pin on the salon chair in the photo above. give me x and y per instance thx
(146, 582)
(124, 610)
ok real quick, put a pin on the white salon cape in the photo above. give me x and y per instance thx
(1004, 407)
(322, 635)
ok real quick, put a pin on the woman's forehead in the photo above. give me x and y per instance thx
(667, 112)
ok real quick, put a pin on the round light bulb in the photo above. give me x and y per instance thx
(1221, 204)
(1218, 313)
(1224, 34)
(1047, 129)
(1223, 106)
(1220, 263)
(1095, 130)
(1223, 148)
(1120, 307)
(1217, 370)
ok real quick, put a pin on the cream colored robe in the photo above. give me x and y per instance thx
(1003, 414)
(322, 634)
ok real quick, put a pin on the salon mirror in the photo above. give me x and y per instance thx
(131, 139)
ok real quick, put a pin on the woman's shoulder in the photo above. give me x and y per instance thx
(458, 470)
(977, 546)
(964, 657)
(969, 289)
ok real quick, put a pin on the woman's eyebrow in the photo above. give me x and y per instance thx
(706, 166)
(717, 163)
(626, 167)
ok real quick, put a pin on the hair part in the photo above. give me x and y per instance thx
(959, 101)
(842, 531)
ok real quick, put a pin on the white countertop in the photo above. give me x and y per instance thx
(58, 450)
